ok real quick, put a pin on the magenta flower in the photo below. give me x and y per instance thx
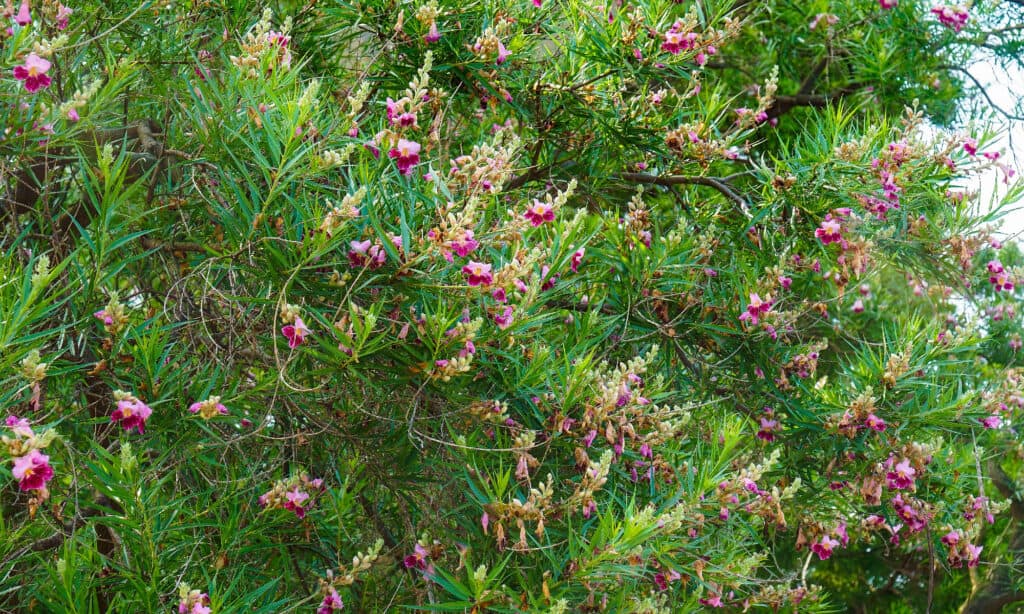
(406, 155)
(971, 146)
(973, 555)
(992, 422)
(539, 213)
(332, 602)
(577, 258)
(677, 39)
(33, 73)
(902, 476)
(478, 273)
(830, 231)
(32, 470)
(951, 538)
(209, 408)
(998, 276)
(131, 413)
(63, 13)
(504, 319)
(20, 426)
(874, 423)
(888, 4)
(768, 429)
(954, 17)
(756, 309)
(466, 245)
(432, 35)
(858, 306)
(295, 499)
(296, 333)
(502, 54)
(24, 17)
(418, 559)
(824, 547)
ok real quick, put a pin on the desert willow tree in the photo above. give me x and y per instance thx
(488, 306)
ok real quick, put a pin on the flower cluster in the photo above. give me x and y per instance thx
(954, 17)
(264, 49)
(209, 408)
(998, 276)
(192, 601)
(295, 494)
(294, 330)
(113, 316)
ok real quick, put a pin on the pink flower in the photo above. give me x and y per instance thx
(502, 54)
(332, 602)
(951, 538)
(902, 476)
(406, 155)
(824, 547)
(539, 213)
(32, 470)
(874, 423)
(209, 408)
(998, 277)
(504, 319)
(577, 258)
(954, 17)
(294, 501)
(756, 309)
(713, 600)
(768, 428)
(971, 146)
(858, 306)
(33, 73)
(888, 4)
(992, 422)
(432, 35)
(296, 333)
(23, 18)
(830, 231)
(63, 13)
(973, 555)
(418, 559)
(676, 40)
(131, 413)
(464, 246)
(20, 426)
(478, 273)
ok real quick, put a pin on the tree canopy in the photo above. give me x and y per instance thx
(547, 306)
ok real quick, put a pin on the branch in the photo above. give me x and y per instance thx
(103, 504)
(785, 104)
(174, 247)
(1006, 487)
(673, 180)
(984, 92)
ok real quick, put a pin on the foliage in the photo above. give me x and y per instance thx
(543, 306)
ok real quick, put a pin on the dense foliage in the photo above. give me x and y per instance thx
(507, 306)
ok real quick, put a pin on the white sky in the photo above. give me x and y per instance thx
(1006, 89)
